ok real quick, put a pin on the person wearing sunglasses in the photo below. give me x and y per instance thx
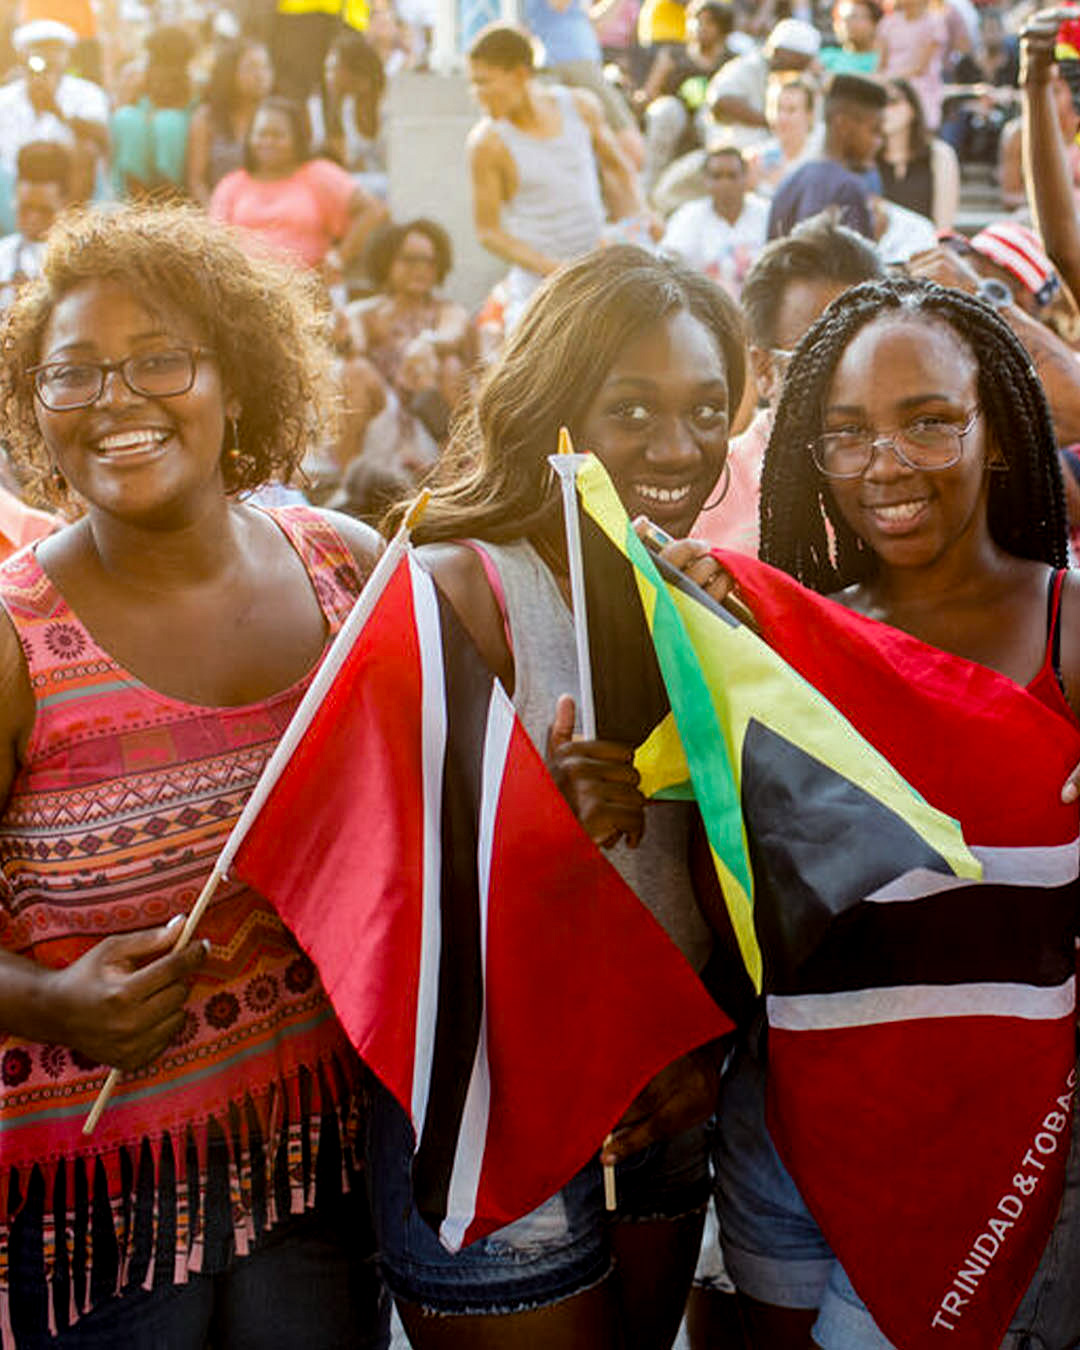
(151, 654)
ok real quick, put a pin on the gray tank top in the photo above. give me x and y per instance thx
(557, 207)
(226, 154)
(545, 666)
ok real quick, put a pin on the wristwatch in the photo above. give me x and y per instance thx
(995, 293)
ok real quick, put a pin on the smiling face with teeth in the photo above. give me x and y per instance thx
(128, 454)
(897, 371)
(659, 421)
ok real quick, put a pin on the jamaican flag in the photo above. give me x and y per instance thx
(901, 877)
(804, 818)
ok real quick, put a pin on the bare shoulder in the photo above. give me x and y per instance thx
(365, 544)
(460, 576)
(1009, 143)
(367, 304)
(942, 155)
(588, 105)
(484, 142)
(452, 310)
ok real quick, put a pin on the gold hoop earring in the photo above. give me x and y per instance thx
(234, 451)
(725, 477)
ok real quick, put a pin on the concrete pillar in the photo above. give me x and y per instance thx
(428, 118)
(444, 56)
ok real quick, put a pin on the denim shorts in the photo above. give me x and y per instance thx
(776, 1253)
(558, 1250)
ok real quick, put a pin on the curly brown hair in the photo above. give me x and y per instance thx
(263, 320)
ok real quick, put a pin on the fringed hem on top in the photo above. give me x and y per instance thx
(109, 1220)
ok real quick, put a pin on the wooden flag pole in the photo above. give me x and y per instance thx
(566, 464)
(301, 719)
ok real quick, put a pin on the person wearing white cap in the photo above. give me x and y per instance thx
(736, 93)
(47, 104)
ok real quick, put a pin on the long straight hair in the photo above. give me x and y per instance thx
(493, 480)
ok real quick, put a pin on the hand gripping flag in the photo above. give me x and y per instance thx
(920, 992)
(485, 959)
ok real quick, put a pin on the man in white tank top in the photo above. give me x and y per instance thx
(542, 164)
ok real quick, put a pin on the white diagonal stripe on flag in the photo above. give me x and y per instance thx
(908, 1003)
(472, 1137)
(1049, 866)
(433, 751)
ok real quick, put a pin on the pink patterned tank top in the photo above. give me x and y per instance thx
(112, 825)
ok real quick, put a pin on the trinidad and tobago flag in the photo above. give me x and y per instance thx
(922, 1057)
(919, 986)
(487, 962)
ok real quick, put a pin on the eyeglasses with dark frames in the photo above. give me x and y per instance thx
(63, 386)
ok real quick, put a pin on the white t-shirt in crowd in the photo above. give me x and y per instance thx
(20, 123)
(20, 260)
(722, 250)
(906, 233)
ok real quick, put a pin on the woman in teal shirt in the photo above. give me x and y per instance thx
(149, 137)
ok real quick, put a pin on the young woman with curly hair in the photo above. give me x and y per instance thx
(420, 342)
(151, 654)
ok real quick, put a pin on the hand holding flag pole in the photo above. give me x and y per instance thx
(566, 464)
(339, 649)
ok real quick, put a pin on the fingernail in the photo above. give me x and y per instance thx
(1068, 792)
(206, 946)
(176, 918)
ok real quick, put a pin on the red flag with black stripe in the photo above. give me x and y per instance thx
(487, 962)
(922, 1056)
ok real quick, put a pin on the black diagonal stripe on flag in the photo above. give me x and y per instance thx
(981, 934)
(819, 843)
(468, 683)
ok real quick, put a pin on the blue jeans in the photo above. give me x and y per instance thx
(307, 1284)
(310, 1281)
(558, 1250)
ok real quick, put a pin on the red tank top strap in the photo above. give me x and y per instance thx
(1046, 686)
(25, 589)
(1058, 586)
(329, 560)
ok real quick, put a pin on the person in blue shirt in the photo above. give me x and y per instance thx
(854, 108)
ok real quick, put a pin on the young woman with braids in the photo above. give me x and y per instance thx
(932, 501)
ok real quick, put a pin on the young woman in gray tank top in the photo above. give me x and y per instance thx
(641, 359)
